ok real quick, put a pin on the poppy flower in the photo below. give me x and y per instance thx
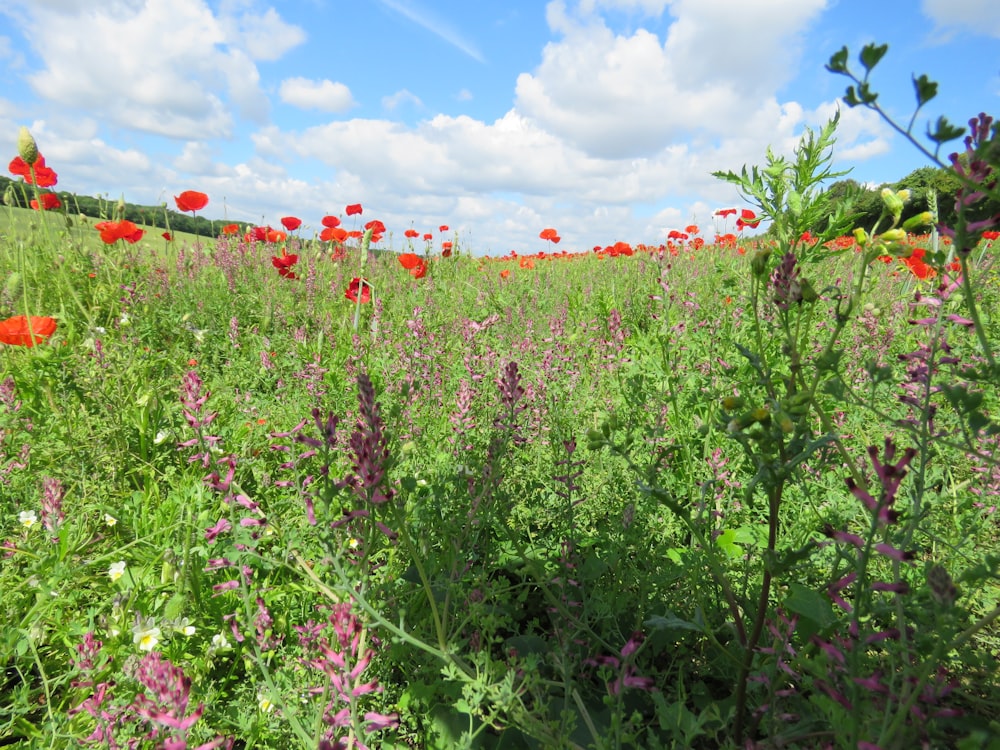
(446, 249)
(692, 229)
(16, 331)
(724, 212)
(167, 236)
(443, 228)
(355, 234)
(259, 234)
(353, 210)
(44, 176)
(411, 233)
(291, 223)
(231, 229)
(505, 273)
(333, 234)
(376, 226)
(747, 219)
(276, 235)
(548, 234)
(409, 261)
(359, 285)
(330, 221)
(991, 235)
(284, 265)
(50, 201)
(113, 231)
(191, 200)
(428, 237)
(419, 271)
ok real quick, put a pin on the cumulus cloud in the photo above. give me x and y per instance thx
(619, 96)
(167, 67)
(324, 95)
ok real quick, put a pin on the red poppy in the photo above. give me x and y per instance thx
(692, 229)
(724, 212)
(355, 234)
(376, 226)
(409, 261)
(991, 235)
(411, 233)
(556, 239)
(505, 273)
(231, 229)
(16, 331)
(419, 271)
(259, 234)
(191, 200)
(428, 236)
(548, 234)
(44, 176)
(50, 201)
(747, 219)
(291, 223)
(353, 210)
(284, 264)
(330, 221)
(112, 231)
(357, 285)
(276, 235)
(167, 236)
(336, 234)
(446, 249)
(443, 228)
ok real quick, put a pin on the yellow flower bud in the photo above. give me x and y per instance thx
(924, 219)
(893, 235)
(26, 146)
(892, 202)
(861, 237)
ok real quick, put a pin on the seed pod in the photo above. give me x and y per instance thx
(26, 146)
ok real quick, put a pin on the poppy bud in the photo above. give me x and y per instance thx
(26, 146)
(759, 262)
(893, 235)
(924, 219)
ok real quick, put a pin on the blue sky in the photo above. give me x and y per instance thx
(602, 118)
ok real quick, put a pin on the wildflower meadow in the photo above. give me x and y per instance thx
(335, 484)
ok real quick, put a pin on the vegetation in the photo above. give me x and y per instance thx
(264, 492)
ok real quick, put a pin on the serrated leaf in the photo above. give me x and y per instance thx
(926, 89)
(944, 131)
(871, 54)
(838, 61)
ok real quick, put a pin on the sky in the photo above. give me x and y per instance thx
(603, 119)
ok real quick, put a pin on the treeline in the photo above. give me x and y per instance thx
(16, 193)
(921, 183)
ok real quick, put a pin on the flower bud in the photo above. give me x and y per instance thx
(759, 262)
(26, 146)
(893, 235)
(861, 237)
(893, 202)
(924, 219)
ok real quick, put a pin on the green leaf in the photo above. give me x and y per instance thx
(670, 621)
(810, 604)
(871, 54)
(925, 88)
(944, 131)
(851, 98)
(838, 61)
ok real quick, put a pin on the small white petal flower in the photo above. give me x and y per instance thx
(27, 518)
(109, 519)
(220, 642)
(116, 570)
(146, 635)
(184, 627)
(161, 436)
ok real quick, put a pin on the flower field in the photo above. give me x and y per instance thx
(353, 486)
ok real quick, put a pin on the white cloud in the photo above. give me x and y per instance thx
(327, 96)
(399, 98)
(619, 96)
(167, 67)
(265, 36)
(976, 16)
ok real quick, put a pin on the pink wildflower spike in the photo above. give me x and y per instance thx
(834, 590)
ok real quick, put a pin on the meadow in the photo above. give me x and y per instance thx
(352, 487)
